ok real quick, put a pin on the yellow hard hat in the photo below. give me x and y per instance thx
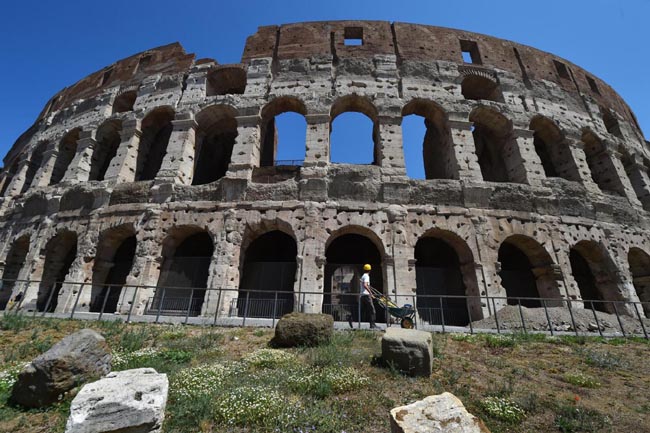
(367, 267)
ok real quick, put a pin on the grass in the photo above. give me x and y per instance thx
(228, 379)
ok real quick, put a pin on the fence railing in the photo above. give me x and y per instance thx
(232, 307)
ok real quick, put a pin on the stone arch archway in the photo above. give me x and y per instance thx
(14, 263)
(108, 141)
(552, 149)
(60, 252)
(67, 149)
(355, 104)
(270, 138)
(593, 271)
(215, 138)
(156, 130)
(639, 262)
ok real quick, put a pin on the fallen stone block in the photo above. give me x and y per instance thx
(76, 359)
(443, 413)
(408, 350)
(130, 401)
(300, 329)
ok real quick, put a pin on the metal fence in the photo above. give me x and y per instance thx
(231, 307)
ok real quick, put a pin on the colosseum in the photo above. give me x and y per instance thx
(154, 187)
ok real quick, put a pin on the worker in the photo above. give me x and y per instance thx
(366, 295)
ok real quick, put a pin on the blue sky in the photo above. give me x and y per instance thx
(46, 46)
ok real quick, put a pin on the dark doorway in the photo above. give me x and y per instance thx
(215, 140)
(345, 257)
(266, 287)
(640, 270)
(438, 274)
(14, 263)
(61, 251)
(586, 281)
(106, 293)
(517, 276)
(108, 142)
(156, 130)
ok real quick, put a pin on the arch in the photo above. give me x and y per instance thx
(552, 149)
(215, 138)
(34, 164)
(496, 146)
(187, 255)
(437, 147)
(226, 80)
(639, 262)
(9, 174)
(124, 102)
(60, 253)
(113, 262)
(67, 150)
(346, 252)
(269, 133)
(14, 263)
(156, 130)
(527, 271)
(611, 122)
(354, 148)
(268, 273)
(477, 87)
(592, 270)
(108, 141)
(600, 164)
(445, 268)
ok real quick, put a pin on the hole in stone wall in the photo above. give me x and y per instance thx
(353, 36)
(352, 139)
(552, 149)
(215, 138)
(517, 276)
(586, 281)
(611, 123)
(156, 131)
(34, 165)
(67, 150)
(124, 102)
(112, 266)
(492, 134)
(60, 253)
(106, 76)
(592, 271)
(603, 172)
(476, 88)
(470, 52)
(640, 269)
(143, 62)
(14, 264)
(108, 141)
(561, 69)
(10, 173)
(226, 81)
(592, 84)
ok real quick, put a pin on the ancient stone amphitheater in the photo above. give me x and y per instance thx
(153, 185)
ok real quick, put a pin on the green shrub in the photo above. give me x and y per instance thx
(581, 379)
(503, 409)
(269, 358)
(13, 321)
(574, 419)
(603, 359)
(250, 405)
(203, 380)
(497, 340)
(138, 338)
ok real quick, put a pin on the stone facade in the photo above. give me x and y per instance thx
(523, 149)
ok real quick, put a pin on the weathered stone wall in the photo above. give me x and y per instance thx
(573, 170)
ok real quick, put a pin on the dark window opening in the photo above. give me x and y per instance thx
(124, 102)
(353, 36)
(592, 84)
(489, 150)
(639, 263)
(13, 266)
(214, 150)
(61, 252)
(552, 149)
(438, 279)
(106, 76)
(183, 277)
(226, 81)
(268, 275)
(470, 52)
(345, 257)
(542, 151)
(67, 151)
(586, 282)
(476, 88)
(108, 141)
(611, 123)
(156, 130)
(517, 276)
(143, 62)
(9, 175)
(561, 69)
(34, 165)
(602, 169)
(110, 273)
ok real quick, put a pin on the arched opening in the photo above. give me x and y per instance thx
(60, 252)
(591, 270)
(67, 150)
(436, 143)
(35, 162)
(526, 272)
(268, 276)
(477, 87)
(640, 269)
(13, 265)
(124, 102)
(600, 164)
(226, 81)
(495, 146)
(552, 149)
(113, 262)
(440, 287)
(284, 131)
(108, 141)
(10, 172)
(354, 131)
(187, 255)
(215, 139)
(156, 130)
(345, 256)
(611, 123)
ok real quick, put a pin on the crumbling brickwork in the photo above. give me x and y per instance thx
(536, 182)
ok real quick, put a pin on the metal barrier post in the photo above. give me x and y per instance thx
(442, 314)
(496, 316)
(216, 311)
(415, 307)
(638, 315)
(49, 300)
(618, 317)
(596, 318)
(189, 306)
(521, 315)
(275, 305)
(76, 301)
(243, 323)
(469, 315)
(101, 313)
(573, 320)
(135, 292)
(548, 318)
(162, 300)
(359, 308)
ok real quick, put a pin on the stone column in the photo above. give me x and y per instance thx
(523, 163)
(625, 186)
(79, 168)
(464, 164)
(79, 277)
(246, 151)
(178, 163)
(317, 150)
(44, 173)
(18, 180)
(390, 152)
(124, 164)
(577, 153)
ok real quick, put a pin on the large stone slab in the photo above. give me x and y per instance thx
(443, 413)
(300, 329)
(130, 401)
(408, 350)
(76, 359)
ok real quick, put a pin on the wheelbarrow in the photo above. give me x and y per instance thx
(405, 313)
